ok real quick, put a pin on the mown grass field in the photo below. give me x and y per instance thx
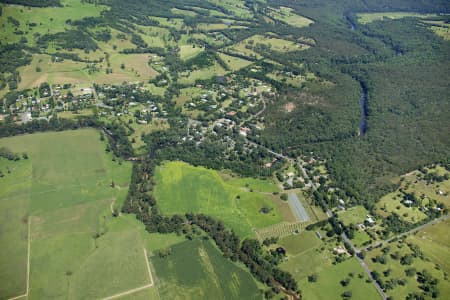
(365, 18)
(189, 51)
(14, 207)
(184, 188)
(136, 68)
(441, 28)
(286, 14)
(197, 270)
(233, 62)
(434, 242)
(308, 255)
(48, 20)
(353, 215)
(205, 73)
(64, 188)
(413, 182)
(328, 283)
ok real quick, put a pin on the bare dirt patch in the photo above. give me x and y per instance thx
(289, 107)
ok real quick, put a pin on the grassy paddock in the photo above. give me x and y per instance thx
(328, 283)
(183, 188)
(65, 188)
(365, 18)
(197, 270)
(48, 19)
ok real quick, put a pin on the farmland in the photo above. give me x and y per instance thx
(48, 19)
(43, 69)
(415, 185)
(307, 256)
(64, 189)
(285, 14)
(399, 266)
(196, 269)
(209, 194)
(365, 18)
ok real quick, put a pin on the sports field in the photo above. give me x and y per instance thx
(58, 203)
(197, 270)
(184, 188)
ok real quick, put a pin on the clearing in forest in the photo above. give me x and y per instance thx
(182, 188)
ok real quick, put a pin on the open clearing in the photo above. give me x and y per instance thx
(184, 188)
(328, 284)
(48, 20)
(354, 215)
(434, 242)
(64, 188)
(234, 63)
(415, 183)
(286, 14)
(398, 270)
(197, 270)
(136, 68)
(308, 255)
(365, 18)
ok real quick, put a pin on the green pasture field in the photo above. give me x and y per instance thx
(237, 8)
(441, 28)
(296, 244)
(308, 255)
(391, 203)
(353, 215)
(72, 115)
(365, 18)
(176, 23)
(412, 183)
(183, 188)
(217, 26)
(205, 73)
(140, 129)
(183, 12)
(398, 270)
(233, 62)
(68, 71)
(247, 183)
(328, 283)
(197, 270)
(210, 38)
(286, 14)
(276, 44)
(155, 36)
(49, 19)
(187, 94)
(64, 188)
(189, 51)
(434, 242)
(14, 207)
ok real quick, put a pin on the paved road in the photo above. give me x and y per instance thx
(297, 208)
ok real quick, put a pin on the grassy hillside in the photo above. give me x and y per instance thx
(182, 188)
(196, 270)
(64, 189)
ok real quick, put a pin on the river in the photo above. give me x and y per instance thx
(363, 101)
